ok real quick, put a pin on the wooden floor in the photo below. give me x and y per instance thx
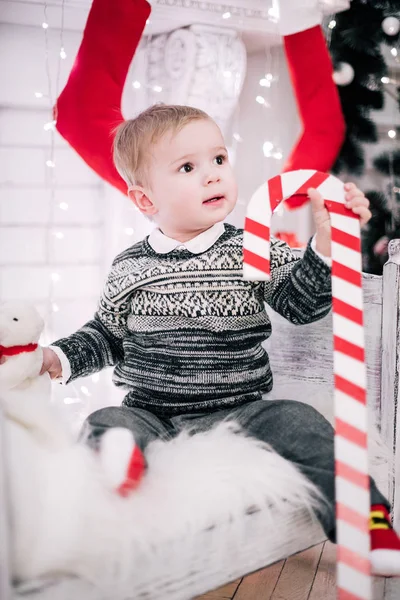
(309, 575)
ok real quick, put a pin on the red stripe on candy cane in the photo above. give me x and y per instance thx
(350, 433)
(348, 348)
(275, 191)
(347, 311)
(257, 229)
(339, 209)
(354, 581)
(353, 560)
(345, 239)
(339, 270)
(345, 595)
(352, 475)
(349, 388)
(351, 517)
(256, 261)
(313, 182)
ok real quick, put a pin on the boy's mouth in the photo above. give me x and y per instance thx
(213, 199)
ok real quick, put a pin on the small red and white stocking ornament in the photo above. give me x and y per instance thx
(122, 460)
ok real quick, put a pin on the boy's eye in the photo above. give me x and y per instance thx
(220, 159)
(186, 168)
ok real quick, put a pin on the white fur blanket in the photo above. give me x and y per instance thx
(65, 520)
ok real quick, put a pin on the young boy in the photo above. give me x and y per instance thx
(184, 330)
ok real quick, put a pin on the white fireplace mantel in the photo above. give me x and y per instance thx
(255, 19)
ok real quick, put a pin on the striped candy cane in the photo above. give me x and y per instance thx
(351, 455)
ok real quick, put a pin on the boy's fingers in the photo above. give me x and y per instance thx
(357, 201)
(365, 218)
(358, 209)
(364, 213)
(354, 194)
(317, 200)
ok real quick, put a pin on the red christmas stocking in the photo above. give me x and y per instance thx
(89, 108)
(318, 103)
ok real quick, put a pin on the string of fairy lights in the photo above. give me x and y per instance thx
(49, 126)
(53, 231)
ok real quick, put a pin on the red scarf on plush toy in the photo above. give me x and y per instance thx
(14, 350)
(89, 107)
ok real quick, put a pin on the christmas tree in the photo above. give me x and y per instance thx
(359, 39)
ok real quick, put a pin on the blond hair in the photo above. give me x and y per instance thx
(134, 137)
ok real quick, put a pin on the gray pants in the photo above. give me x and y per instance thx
(295, 430)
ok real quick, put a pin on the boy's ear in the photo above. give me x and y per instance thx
(142, 201)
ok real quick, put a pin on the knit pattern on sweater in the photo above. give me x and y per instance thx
(185, 331)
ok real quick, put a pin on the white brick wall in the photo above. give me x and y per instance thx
(35, 232)
(22, 68)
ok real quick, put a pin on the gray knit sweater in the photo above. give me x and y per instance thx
(185, 331)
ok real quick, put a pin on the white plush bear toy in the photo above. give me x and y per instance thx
(20, 355)
(21, 360)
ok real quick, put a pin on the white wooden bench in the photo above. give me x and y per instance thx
(302, 363)
(308, 351)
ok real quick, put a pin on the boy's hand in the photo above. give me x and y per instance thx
(355, 201)
(51, 364)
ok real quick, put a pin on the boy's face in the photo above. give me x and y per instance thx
(191, 183)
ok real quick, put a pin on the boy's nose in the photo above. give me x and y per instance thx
(213, 178)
